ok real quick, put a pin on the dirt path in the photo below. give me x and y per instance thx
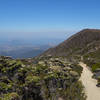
(60, 99)
(92, 92)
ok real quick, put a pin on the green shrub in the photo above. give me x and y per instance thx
(10, 96)
(95, 66)
(31, 78)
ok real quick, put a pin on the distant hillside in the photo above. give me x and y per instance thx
(76, 44)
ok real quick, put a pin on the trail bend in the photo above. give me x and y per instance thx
(91, 90)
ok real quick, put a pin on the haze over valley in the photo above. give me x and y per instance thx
(49, 49)
(27, 47)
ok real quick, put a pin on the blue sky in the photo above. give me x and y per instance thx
(49, 18)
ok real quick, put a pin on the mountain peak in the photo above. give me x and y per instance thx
(76, 41)
(88, 29)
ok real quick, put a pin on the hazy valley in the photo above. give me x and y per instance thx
(20, 48)
(59, 73)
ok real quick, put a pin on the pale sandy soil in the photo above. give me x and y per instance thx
(92, 92)
(60, 99)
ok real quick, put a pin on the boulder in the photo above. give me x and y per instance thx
(73, 73)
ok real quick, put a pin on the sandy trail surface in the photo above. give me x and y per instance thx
(92, 91)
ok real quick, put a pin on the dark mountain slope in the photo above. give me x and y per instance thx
(75, 43)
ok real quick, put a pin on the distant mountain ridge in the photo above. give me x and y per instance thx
(76, 43)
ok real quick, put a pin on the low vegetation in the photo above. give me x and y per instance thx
(95, 67)
(41, 79)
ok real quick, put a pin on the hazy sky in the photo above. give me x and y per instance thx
(54, 18)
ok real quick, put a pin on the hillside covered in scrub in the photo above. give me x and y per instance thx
(46, 78)
(79, 43)
(85, 46)
(55, 74)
